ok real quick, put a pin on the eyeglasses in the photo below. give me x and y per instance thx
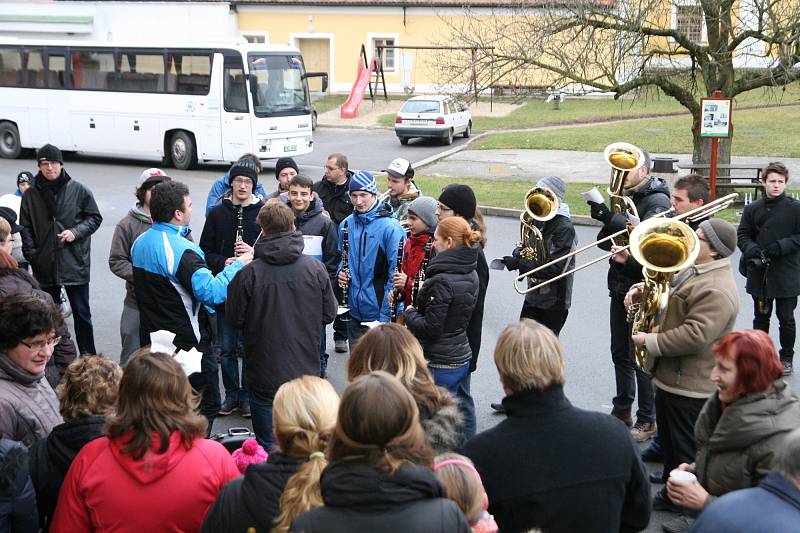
(443, 208)
(41, 345)
(242, 181)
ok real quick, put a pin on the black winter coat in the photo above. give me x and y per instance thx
(280, 301)
(253, 500)
(557, 468)
(313, 223)
(53, 262)
(17, 499)
(219, 232)
(358, 498)
(446, 302)
(767, 221)
(51, 457)
(335, 198)
(475, 326)
(650, 200)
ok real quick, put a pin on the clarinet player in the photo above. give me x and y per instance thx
(418, 250)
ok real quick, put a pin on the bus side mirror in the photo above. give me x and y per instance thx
(253, 84)
(323, 75)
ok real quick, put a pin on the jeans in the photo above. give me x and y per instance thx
(230, 340)
(787, 330)
(553, 319)
(323, 355)
(339, 329)
(78, 296)
(206, 382)
(129, 332)
(457, 382)
(261, 410)
(677, 416)
(630, 378)
(354, 332)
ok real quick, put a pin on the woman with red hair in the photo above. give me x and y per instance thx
(741, 425)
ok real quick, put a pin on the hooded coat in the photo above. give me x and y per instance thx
(107, 490)
(280, 301)
(51, 457)
(319, 233)
(126, 232)
(335, 198)
(359, 498)
(254, 499)
(219, 232)
(28, 405)
(400, 204)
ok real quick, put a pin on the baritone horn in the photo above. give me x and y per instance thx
(541, 205)
(623, 158)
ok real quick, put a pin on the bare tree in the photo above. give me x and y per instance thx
(686, 48)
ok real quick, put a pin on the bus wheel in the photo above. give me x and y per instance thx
(182, 151)
(10, 147)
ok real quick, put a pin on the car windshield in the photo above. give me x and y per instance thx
(421, 106)
(281, 89)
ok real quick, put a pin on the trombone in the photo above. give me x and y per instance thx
(704, 211)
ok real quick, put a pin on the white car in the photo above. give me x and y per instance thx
(433, 117)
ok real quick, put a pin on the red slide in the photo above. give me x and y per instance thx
(349, 109)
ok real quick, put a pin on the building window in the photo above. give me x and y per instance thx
(388, 54)
(689, 21)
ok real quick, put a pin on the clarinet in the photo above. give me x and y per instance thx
(239, 228)
(344, 307)
(419, 279)
(397, 293)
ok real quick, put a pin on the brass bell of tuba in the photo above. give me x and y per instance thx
(663, 246)
(623, 158)
(541, 204)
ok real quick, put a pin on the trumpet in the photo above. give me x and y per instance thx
(541, 204)
(700, 213)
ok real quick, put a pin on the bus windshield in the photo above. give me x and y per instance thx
(281, 87)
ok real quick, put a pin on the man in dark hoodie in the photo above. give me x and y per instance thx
(651, 196)
(58, 216)
(279, 303)
(136, 222)
(230, 231)
(319, 234)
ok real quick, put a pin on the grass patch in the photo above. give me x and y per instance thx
(769, 132)
(387, 120)
(326, 103)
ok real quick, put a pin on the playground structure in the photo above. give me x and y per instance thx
(366, 68)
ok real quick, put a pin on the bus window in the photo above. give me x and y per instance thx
(56, 71)
(188, 73)
(234, 87)
(140, 72)
(10, 67)
(33, 68)
(91, 69)
(281, 87)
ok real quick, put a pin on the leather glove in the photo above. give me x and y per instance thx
(511, 263)
(600, 212)
(773, 249)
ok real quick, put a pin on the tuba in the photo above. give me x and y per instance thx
(663, 246)
(624, 158)
(541, 204)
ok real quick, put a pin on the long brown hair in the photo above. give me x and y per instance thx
(155, 398)
(379, 425)
(393, 349)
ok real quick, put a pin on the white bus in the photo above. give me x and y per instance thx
(185, 104)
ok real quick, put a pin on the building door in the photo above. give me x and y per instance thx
(317, 58)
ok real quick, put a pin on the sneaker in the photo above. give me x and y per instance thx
(625, 416)
(643, 431)
(228, 407)
(680, 524)
(651, 455)
(788, 369)
(661, 502)
(244, 408)
(499, 409)
(341, 346)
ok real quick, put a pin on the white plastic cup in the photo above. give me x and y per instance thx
(682, 476)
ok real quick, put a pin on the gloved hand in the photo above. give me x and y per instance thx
(773, 249)
(759, 262)
(600, 212)
(511, 263)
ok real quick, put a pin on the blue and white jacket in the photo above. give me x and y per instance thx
(172, 280)
(373, 240)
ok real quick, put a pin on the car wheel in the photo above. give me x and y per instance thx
(313, 120)
(449, 138)
(182, 151)
(10, 147)
(403, 140)
(468, 131)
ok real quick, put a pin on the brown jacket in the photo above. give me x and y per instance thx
(703, 305)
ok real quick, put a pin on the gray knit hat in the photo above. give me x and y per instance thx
(555, 184)
(425, 209)
(720, 235)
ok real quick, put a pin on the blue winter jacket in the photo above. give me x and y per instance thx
(221, 186)
(373, 239)
(172, 280)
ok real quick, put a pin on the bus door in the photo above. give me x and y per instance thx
(237, 132)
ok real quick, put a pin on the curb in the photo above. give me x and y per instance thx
(505, 212)
(441, 155)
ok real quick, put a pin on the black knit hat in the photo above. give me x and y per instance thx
(244, 167)
(11, 217)
(285, 162)
(48, 152)
(460, 199)
(25, 177)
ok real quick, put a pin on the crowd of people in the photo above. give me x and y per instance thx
(89, 444)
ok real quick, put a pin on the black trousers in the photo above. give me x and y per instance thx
(787, 330)
(554, 319)
(78, 296)
(631, 380)
(677, 416)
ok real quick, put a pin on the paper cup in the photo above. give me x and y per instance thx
(682, 476)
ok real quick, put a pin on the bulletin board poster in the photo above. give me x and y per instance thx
(715, 120)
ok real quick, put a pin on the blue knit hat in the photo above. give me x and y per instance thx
(363, 181)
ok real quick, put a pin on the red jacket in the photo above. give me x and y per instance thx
(413, 255)
(106, 490)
